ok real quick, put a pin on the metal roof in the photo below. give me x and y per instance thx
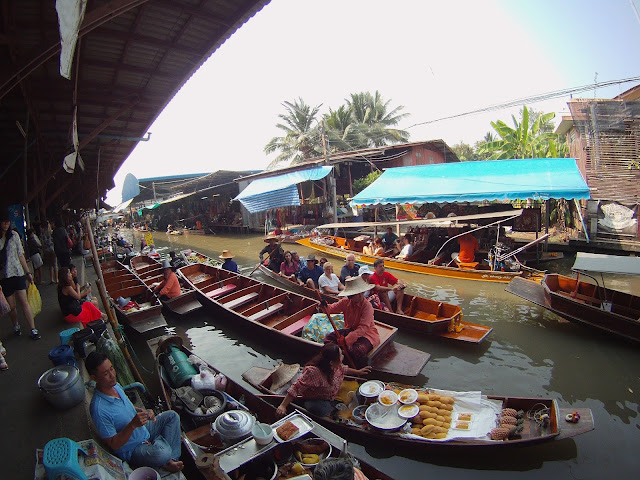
(132, 57)
(596, 262)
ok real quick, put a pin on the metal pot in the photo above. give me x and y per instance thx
(62, 386)
(233, 426)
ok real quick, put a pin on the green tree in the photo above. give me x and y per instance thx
(301, 140)
(464, 151)
(372, 119)
(362, 183)
(524, 140)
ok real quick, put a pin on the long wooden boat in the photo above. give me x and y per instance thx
(191, 256)
(341, 247)
(543, 419)
(277, 314)
(150, 271)
(588, 303)
(421, 315)
(205, 448)
(120, 282)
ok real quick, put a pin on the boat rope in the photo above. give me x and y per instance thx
(128, 346)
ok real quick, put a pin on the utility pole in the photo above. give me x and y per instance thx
(332, 177)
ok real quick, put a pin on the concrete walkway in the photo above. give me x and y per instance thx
(28, 421)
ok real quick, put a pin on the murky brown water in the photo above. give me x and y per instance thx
(530, 352)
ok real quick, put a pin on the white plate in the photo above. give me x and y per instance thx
(408, 396)
(371, 389)
(408, 411)
(384, 418)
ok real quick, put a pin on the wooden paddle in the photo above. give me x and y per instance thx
(342, 344)
(261, 261)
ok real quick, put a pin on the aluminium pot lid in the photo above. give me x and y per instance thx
(59, 378)
(234, 423)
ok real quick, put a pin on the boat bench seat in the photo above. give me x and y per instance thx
(429, 317)
(218, 292)
(467, 265)
(296, 327)
(267, 312)
(238, 302)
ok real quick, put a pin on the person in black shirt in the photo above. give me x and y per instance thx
(350, 269)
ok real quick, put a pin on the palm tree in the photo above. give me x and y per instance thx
(342, 133)
(302, 138)
(372, 118)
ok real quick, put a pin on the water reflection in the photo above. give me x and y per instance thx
(531, 352)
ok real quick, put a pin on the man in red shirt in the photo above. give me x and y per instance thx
(468, 247)
(388, 287)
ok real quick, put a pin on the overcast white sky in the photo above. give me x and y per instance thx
(435, 58)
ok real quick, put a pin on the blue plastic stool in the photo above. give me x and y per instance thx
(61, 456)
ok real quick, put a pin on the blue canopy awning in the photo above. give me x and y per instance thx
(537, 178)
(279, 190)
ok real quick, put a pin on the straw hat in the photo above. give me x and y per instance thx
(226, 254)
(283, 374)
(270, 237)
(355, 285)
(364, 269)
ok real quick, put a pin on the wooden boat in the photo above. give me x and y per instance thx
(120, 282)
(280, 315)
(202, 446)
(485, 411)
(588, 303)
(150, 271)
(423, 260)
(191, 256)
(422, 315)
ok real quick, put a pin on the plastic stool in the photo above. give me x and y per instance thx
(61, 456)
(65, 335)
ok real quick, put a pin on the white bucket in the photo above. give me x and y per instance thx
(144, 473)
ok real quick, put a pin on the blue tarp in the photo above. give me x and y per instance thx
(278, 191)
(537, 178)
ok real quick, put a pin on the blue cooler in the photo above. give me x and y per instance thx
(62, 355)
(65, 335)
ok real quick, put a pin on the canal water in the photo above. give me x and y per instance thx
(531, 352)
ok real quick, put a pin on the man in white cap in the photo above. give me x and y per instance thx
(360, 334)
(170, 286)
(229, 264)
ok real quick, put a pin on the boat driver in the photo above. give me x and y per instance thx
(133, 434)
(388, 287)
(389, 238)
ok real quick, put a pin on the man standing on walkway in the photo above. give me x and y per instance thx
(133, 434)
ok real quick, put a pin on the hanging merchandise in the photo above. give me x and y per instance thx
(34, 300)
(108, 347)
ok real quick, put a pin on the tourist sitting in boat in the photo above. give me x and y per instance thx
(329, 282)
(289, 268)
(176, 262)
(350, 269)
(152, 252)
(359, 334)
(373, 298)
(71, 300)
(337, 469)
(228, 262)
(322, 261)
(297, 260)
(311, 272)
(135, 435)
(368, 248)
(389, 238)
(468, 247)
(388, 287)
(274, 252)
(170, 286)
(320, 381)
(407, 249)
(378, 247)
(396, 248)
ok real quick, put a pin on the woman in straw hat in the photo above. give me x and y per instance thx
(274, 252)
(360, 334)
(229, 263)
(320, 381)
(170, 286)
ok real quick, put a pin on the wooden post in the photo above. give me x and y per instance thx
(107, 307)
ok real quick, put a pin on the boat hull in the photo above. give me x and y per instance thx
(413, 267)
(557, 428)
(581, 302)
(422, 315)
(279, 315)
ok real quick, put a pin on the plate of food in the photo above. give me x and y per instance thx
(371, 389)
(291, 427)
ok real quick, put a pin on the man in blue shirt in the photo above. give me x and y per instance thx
(133, 434)
(229, 264)
(310, 274)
